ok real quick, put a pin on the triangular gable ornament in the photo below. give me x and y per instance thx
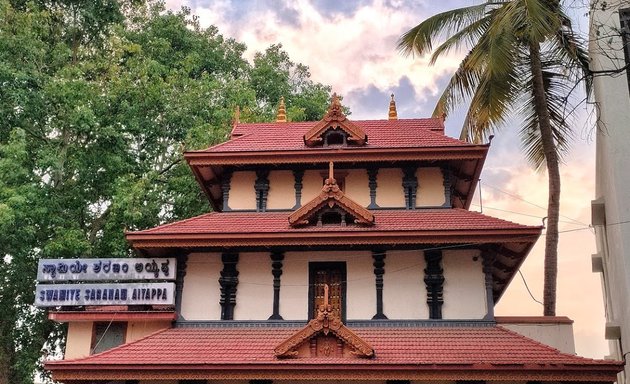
(326, 322)
(335, 119)
(331, 196)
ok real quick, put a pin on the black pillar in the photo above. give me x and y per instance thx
(180, 273)
(276, 271)
(434, 280)
(379, 270)
(228, 282)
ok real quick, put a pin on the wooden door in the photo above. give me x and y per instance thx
(333, 274)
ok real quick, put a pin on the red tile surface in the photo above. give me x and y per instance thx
(407, 133)
(484, 345)
(384, 220)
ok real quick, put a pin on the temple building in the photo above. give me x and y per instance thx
(336, 250)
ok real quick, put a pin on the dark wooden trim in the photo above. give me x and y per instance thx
(447, 176)
(228, 282)
(298, 176)
(225, 190)
(313, 266)
(193, 381)
(410, 186)
(372, 184)
(260, 381)
(434, 280)
(397, 381)
(261, 186)
(379, 271)
(180, 274)
(276, 271)
(488, 261)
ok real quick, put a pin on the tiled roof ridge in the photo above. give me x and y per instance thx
(497, 218)
(114, 349)
(548, 347)
(172, 223)
(229, 140)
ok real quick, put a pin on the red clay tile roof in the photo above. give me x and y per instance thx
(454, 219)
(481, 348)
(404, 133)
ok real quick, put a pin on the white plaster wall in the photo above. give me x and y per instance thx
(430, 187)
(79, 340)
(464, 285)
(281, 190)
(357, 187)
(389, 190)
(242, 194)
(612, 162)
(360, 294)
(312, 183)
(559, 336)
(404, 292)
(139, 329)
(201, 293)
(254, 293)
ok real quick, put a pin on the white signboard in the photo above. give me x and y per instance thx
(53, 270)
(54, 295)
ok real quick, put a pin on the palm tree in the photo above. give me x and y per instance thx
(523, 57)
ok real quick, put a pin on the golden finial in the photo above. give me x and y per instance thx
(393, 114)
(281, 117)
(237, 116)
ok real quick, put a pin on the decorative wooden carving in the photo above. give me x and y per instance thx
(298, 175)
(276, 271)
(434, 280)
(228, 282)
(331, 196)
(334, 119)
(182, 261)
(262, 189)
(488, 261)
(372, 174)
(379, 270)
(410, 186)
(225, 189)
(326, 323)
(448, 187)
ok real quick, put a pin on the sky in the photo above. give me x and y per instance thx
(351, 45)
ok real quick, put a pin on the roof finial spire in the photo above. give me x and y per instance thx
(281, 117)
(393, 114)
(237, 116)
(331, 171)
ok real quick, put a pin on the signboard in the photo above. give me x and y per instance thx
(54, 270)
(54, 295)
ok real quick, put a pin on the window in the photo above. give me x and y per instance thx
(107, 335)
(333, 274)
(335, 137)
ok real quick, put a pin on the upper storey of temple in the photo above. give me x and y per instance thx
(256, 153)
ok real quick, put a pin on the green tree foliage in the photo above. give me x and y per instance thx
(98, 99)
(523, 57)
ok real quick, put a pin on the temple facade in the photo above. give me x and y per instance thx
(336, 250)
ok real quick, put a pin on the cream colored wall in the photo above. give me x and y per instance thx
(430, 187)
(254, 293)
(360, 294)
(559, 336)
(139, 329)
(201, 293)
(242, 193)
(404, 292)
(356, 186)
(79, 340)
(464, 285)
(281, 190)
(312, 183)
(389, 191)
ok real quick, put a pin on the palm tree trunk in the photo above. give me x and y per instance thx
(553, 170)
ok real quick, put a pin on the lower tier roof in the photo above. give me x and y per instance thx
(480, 352)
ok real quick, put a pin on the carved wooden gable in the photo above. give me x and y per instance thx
(331, 206)
(324, 336)
(335, 129)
